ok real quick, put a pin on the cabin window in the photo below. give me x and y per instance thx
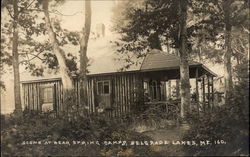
(48, 95)
(103, 87)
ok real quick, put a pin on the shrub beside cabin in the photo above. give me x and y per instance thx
(118, 93)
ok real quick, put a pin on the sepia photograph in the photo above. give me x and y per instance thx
(107, 78)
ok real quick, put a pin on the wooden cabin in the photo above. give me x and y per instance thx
(120, 92)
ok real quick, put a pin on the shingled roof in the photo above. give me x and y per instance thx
(154, 60)
(159, 60)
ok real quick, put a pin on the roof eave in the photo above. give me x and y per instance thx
(208, 70)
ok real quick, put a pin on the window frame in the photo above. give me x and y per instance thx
(52, 94)
(102, 82)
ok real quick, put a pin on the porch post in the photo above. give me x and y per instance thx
(177, 88)
(197, 90)
(203, 92)
(169, 90)
(141, 88)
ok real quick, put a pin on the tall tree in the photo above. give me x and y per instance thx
(17, 92)
(17, 22)
(184, 66)
(83, 54)
(226, 5)
(155, 24)
(34, 55)
(68, 87)
(219, 18)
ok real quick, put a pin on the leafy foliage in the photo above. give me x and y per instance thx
(208, 35)
(32, 29)
(143, 25)
(229, 123)
(37, 127)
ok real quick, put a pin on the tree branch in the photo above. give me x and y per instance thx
(238, 51)
(235, 14)
(59, 13)
(10, 13)
(245, 29)
(30, 59)
(219, 6)
(53, 12)
(22, 9)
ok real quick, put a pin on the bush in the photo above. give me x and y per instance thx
(37, 127)
(155, 115)
(229, 123)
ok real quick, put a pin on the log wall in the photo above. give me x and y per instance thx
(125, 93)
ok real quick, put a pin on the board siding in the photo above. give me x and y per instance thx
(122, 89)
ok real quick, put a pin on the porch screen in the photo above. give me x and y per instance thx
(155, 90)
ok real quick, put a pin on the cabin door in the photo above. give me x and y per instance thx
(104, 94)
(47, 96)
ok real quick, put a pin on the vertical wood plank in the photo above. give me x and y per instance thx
(58, 97)
(212, 92)
(92, 97)
(128, 92)
(62, 101)
(197, 89)
(24, 96)
(116, 96)
(35, 96)
(38, 96)
(28, 98)
(123, 94)
(208, 90)
(133, 90)
(197, 85)
(120, 96)
(89, 97)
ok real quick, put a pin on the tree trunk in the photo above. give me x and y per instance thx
(17, 91)
(228, 50)
(68, 88)
(83, 55)
(199, 54)
(184, 67)
(177, 84)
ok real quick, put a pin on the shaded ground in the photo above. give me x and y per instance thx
(168, 134)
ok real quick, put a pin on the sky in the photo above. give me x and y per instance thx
(101, 13)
